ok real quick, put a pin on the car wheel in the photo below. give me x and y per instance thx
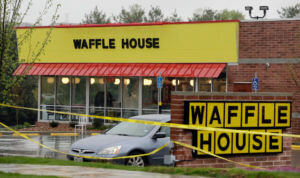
(136, 161)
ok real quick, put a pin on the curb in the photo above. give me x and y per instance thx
(36, 133)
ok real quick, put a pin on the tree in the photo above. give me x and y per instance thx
(289, 12)
(229, 15)
(155, 15)
(96, 17)
(210, 14)
(174, 17)
(11, 17)
(203, 15)
(135, 14)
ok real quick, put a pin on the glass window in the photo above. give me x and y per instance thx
(63, 97)
(219, 84)
(78, 91)
(47, 97)
(149, 97)
(168, 86)
(97, 92)
(130, 129)
(165, 129)
(204, 84)
(78, 95)
(113, 97)
(130, 96)
(97, 96)
(185, 84)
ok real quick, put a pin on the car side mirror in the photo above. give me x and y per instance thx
(104, 132)
(159, 135)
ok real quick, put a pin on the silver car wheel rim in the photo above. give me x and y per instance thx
(137, 161)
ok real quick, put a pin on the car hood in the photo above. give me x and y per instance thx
(100, 142)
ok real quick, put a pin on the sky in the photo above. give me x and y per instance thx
(73, 11)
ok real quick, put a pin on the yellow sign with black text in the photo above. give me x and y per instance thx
(270, 117)
(215, 42)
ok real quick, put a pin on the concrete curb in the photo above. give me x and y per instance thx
(37, 133)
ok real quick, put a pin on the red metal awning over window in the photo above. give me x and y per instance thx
(124, 69)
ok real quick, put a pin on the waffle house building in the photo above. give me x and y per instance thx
(112, 69)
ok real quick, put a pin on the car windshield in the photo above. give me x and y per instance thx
(130, 129)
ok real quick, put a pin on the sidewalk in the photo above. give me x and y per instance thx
(77, 171)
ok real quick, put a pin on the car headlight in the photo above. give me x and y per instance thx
(110, 150)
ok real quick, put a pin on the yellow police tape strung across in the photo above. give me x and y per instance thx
(173, 125)
(88, 157)
(182, 126)
(252, 116)
(126, 157)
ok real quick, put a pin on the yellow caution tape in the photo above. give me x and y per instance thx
(173, 125)
(64, 134)
(133, 156)
(27, 134)
(88, 157)
(295, 147)
(93, 134)
(217, 156)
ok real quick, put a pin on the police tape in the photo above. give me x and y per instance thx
(295, 147)
(130, 156)
(211, 154)
(173, 125)
(81, 156)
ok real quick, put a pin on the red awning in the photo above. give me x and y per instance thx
(132, 69)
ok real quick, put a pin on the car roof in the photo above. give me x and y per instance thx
(154, 117)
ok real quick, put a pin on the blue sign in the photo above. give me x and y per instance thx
(159, 82)
(255, 84)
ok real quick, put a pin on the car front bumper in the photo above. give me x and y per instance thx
(71, 156)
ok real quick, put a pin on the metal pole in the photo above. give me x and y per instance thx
(159, 98)
(255, 77)
(140, 100)
(39, 97)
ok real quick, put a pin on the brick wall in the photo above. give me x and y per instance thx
(185, 136)
(276, 78)
(263, 40)
(269, 39)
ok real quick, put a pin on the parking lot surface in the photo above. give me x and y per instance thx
(77, 171)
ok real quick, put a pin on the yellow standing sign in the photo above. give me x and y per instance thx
(260, 116)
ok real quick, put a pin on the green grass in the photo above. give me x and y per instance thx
(16, 175)
(211, 172)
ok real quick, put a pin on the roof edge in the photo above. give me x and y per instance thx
(271, 20)
(126, 24)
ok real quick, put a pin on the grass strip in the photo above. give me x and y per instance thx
(17, 175)
(210, 172)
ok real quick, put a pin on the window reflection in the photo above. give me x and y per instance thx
(130, 96)
(47, 97)
(78, 96)
(97, 96)
(219, 84)
(204, 84)
(185, 84)
(168, 87)
(63, 97)
(150, 96)
(113, 97)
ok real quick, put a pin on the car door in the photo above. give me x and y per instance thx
(158, 158)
